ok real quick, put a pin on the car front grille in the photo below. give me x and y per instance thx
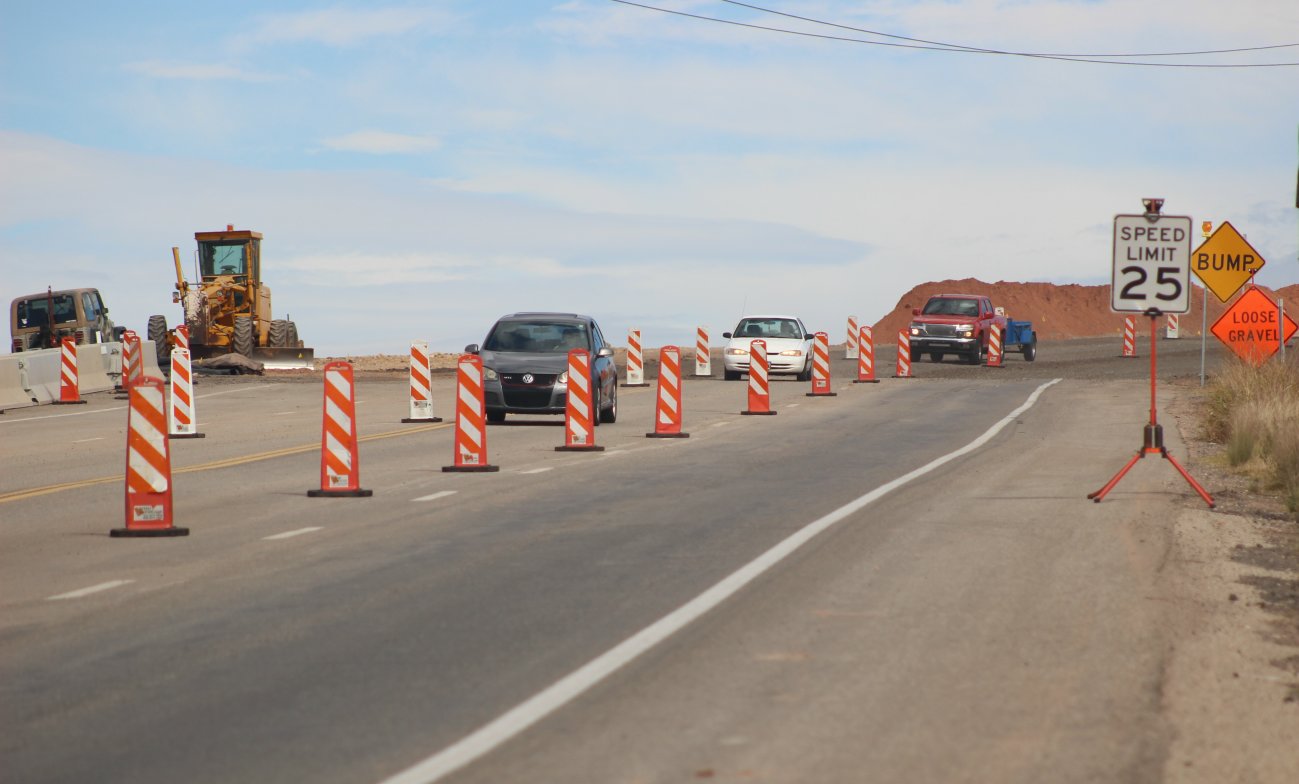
(938, 330)
(523, 394)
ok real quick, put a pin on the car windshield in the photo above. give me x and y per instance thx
(951, 307)
(768, 328)
(537, 337)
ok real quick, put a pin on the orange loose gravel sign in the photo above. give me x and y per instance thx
(1253, 327)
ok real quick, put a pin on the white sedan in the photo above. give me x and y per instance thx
(789, 346)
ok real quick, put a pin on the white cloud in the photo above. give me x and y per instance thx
(194, 71)
(381, 143)
(346, 26)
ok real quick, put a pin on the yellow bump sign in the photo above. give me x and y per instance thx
(1225, 262)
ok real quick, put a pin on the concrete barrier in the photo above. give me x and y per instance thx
(13, 383)
(150, 349)
(43, 369)
(93, 363)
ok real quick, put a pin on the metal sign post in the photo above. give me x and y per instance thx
(1163, 250)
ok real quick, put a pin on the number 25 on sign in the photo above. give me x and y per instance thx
(1152, 263)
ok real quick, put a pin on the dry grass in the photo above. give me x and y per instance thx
(1255, 412)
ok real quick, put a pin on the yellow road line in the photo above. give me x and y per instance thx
(19, 495)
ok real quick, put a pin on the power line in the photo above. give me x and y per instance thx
(949, 48)
(1000, 51)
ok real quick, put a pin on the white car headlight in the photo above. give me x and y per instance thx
(563, 379)
(792, 352)
(737, 352)
(489, 374)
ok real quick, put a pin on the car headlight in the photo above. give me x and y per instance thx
(563, 379)
(489, 374)
(965, 330)
(737, 352)
(791, 352)
(915, 329)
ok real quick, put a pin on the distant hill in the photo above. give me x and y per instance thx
(1058, 312)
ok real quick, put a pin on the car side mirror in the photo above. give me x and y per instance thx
(604, 352)
(809, 336)
(472, 348)
(726, 335)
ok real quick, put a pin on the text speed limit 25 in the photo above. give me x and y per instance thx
(1152, 264)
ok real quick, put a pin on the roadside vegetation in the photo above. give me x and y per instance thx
(1254, 411)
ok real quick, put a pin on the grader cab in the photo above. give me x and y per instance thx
(228, 309)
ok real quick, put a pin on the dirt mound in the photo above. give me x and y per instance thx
(1057, 312)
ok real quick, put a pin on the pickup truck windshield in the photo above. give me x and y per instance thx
(951, 307)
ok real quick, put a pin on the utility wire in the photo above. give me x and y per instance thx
(958, 50)
(1000, 51)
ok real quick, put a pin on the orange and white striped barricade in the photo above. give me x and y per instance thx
(579, 412)
(340, 458)
(866, 356)
(667, 409)
(182, 336)
(703, 353)
(635, 360)
(851, 347)
(996, 351)
(821, 366)
(148, 464)
(904, 356)
(471, 417)
(183, 422)
(69, 381)
(759, 389)
(132, 364)
(421, 377)
(1172, 327)
(1129, 337)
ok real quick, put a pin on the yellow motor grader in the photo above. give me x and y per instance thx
(228, 310)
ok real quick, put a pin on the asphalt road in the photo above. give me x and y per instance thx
(981, 621)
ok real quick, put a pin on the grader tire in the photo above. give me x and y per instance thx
(244, 340)
(292, 335)
(157, 332)
(279, 334)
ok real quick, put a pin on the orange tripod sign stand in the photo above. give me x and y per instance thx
(1154, 432)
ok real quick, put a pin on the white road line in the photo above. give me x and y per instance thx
(514, 721)
(283, 413)
(723, 423)
(291, 534)
(88, 440)
(538, 470)
(435, 496)
(119, 408)
(108, 586)
(792, 405)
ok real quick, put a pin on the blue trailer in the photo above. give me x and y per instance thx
(1021, 334)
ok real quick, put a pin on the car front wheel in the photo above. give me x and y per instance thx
(609, 415)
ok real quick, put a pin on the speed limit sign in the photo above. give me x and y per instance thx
(1152, 263)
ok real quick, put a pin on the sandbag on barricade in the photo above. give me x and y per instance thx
(13, 392)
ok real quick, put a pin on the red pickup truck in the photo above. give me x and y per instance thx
(954, 324)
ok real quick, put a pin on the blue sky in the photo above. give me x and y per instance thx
(420, 168)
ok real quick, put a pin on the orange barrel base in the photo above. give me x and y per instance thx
(470, 468)
(667, 435)
(318, 493)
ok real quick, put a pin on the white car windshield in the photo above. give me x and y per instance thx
(768, 328)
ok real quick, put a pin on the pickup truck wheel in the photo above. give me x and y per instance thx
(1030, 350)
(975, 357)
(935, 356)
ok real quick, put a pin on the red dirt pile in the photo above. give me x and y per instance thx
(1059, 312)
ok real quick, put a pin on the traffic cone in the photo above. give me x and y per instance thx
(821, 366)
(340, 460)
(148, 464)
(184, 419)
(904, 356)
(703, 353)
(635, 361)
(69, 381)
(579, 412)
(759, 391)
(866, 356)
(421, 402)
(667, 409)
(995, 350)
(471, 417)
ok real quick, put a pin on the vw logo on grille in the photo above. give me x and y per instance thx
(528, 378)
